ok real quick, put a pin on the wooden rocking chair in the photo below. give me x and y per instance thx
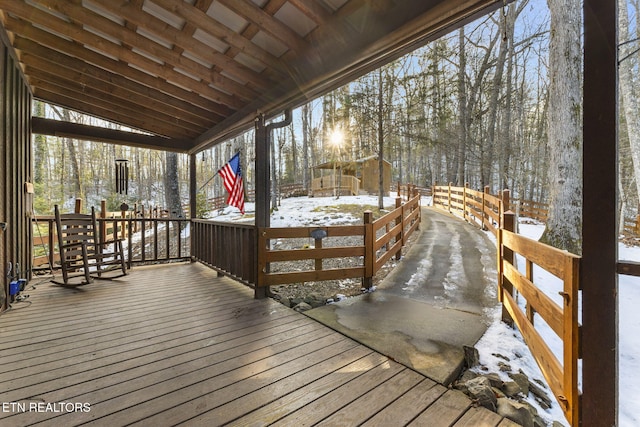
(82, 253)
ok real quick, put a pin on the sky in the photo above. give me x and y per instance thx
(302, 211)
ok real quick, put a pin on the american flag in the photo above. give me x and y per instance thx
(232, 179)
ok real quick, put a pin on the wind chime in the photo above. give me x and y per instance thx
(122, 176)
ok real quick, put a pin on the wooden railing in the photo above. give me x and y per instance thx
(561, 375)
(374, 243)
(149, 240)
(245, 253)
(406, 191)
(228, 248)
(477, 207)
(532, 209)
(489, 212)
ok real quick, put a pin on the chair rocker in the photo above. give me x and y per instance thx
(83, 254)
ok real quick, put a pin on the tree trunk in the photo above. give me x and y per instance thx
(380, 141)
(172, 186)
(564, 225)
(630, 105)
(464, 113)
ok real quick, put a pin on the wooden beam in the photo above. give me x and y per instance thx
(107, 113)
(185, 41)
(267, 23)
(83, 37)
(110, 71)
(91, 19)
(599, 281)
(86, 94)
(219, 31)
(94, 133)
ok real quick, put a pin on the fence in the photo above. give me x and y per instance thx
(244, 252)
(562, 376)
(225, 247)
(149, 240)
(491, 212)
(375, 242)
(477, 207)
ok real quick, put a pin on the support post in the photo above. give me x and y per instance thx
(369, 254)
(263, 177)
(78, 206)
(599, 282)
(192, 186)
(263, 187)
(400, 236)
(508, 222)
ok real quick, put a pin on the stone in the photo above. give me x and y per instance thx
(303, 306)
(495, 380)
(285, 301)
(540, 395)
(498, 392)
(471, 356)
(515, 412)
(511, 389)
(467, 375)
(504, 367)
(479, 389)
(522, 380)
(500, 356)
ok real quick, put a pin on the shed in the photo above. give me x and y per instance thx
(350, 177)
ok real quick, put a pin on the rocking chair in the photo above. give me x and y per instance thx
(82, 254)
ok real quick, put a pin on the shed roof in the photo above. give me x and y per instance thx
(193, 73)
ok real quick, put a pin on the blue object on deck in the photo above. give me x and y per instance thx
(14, 287)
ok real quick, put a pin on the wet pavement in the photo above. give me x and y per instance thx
(431, 304)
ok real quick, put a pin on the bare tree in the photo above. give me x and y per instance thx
(564, 225)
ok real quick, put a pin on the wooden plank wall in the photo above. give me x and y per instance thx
(16, 170)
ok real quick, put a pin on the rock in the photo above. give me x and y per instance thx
(500, 356)
(495, 380)
(498, 392)
(504, 367)
(480, 390)
(467, 375)
(471, 356)
(540, 395)
(511, 389)
(296, 301)
(522, 381)
(285, 301)
(514, 411)
(303, 306)
(557, 424)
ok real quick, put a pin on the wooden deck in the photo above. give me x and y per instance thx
(175, 344)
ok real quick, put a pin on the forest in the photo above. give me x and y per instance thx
(476, 106)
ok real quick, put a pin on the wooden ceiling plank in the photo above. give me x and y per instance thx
(109, 115)
(87, 86)
(131, 38)
(79, 131)
(313, 10)
(110, 107)
(185, 41)
(45, 38)
(39, 56)
(219, 31)
(81, 36)
(267, 23)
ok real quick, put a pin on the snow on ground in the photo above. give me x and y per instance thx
(499, 339)
(304, 211)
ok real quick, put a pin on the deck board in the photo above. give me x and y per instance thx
(177, 344)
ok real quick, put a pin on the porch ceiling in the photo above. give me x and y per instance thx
(193, 73)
